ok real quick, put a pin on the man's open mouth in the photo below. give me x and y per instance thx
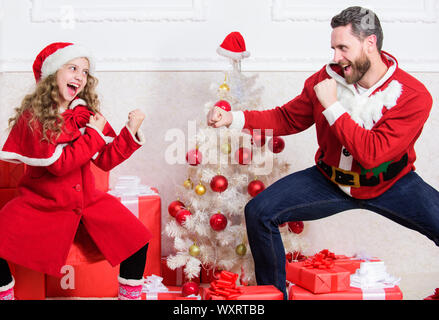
(347, 68)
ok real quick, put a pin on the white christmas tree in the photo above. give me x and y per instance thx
(227, 167)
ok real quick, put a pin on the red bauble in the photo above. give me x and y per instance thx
(255, 187)
(258, 138)
(218, 222)
(190, 288)
(243, 156)
(219, 183)
(194, 157)
(276, 144)
(181, 216)
(174, 207)
(223, 104)
(295, 226)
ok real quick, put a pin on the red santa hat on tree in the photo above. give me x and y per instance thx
(55, 55)
(233, 47)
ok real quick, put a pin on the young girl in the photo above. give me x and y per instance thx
(56, 132)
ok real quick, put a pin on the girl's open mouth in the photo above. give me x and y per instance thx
(72, 88)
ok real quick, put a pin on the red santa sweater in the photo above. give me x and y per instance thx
(366, 141)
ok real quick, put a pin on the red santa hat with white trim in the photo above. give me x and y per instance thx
(55, 55)
(233, 47)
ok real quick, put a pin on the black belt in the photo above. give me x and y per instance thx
(356, 180)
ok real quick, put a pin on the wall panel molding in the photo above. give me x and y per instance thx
(118, 11)
(405, 11)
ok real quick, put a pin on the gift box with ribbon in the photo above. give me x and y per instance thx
(299, 293)
(319, 273)
(99, 279)
(353, 263)
(154, 289)
(373, 275)
(225, 288)
(144, 202)
(369, 282)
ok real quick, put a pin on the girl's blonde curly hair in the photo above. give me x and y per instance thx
(43, 105)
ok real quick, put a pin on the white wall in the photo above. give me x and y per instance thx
(160, 55)
(139, 35)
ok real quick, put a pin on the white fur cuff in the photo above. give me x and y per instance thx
(238, 121)
(139, 138)
(130, 282)
(333, 112)
(8, 286)
(106, 138)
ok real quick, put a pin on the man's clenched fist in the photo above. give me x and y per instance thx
(326, 92)
(218, 117)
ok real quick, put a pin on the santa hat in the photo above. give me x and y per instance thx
(55, 55)
(233, 47)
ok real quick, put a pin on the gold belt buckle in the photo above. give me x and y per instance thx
(355, 175)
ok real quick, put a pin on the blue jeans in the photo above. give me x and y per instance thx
(308, 195)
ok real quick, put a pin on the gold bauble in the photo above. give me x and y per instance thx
(224, 87)
(188, 184)
(194, 250)
(241, 249)
(200, 189)
(226, 148)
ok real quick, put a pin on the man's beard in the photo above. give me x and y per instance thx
(358, 69)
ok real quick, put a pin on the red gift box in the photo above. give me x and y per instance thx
(267, 292)
(318, 280)
(225, 288)
(174, 277)
(100, 279)
(29, 284)
(10, 174)
(298, 293)
(150, 215)
(351, 263)
(174, 293)
(95, 280)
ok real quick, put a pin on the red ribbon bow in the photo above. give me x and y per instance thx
(225, 286)
(79, 116)
(322, 260)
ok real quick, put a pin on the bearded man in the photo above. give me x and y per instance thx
(368, 114)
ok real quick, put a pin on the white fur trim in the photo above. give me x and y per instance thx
(139, 138)
(130, 282)
(233, 55)
(107, 139)
(364, 110)
(35, 162)
(333, 112)
(60, 57)
(8, 286)
(77, 102)
(238, 121)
